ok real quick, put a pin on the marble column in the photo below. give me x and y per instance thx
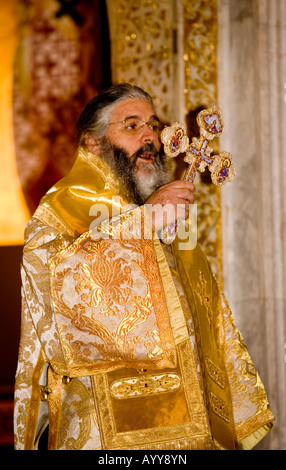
(251, 90)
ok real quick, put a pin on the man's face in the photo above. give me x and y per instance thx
(121, 135)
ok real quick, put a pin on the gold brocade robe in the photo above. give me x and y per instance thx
(125, 343)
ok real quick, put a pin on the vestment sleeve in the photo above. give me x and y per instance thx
(38, 336)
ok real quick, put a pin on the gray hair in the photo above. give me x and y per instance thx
(95, 117)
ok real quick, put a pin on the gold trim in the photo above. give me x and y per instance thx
(253, 439)
(256, 422)
(54, 399)
(32, 414)
(176, 313)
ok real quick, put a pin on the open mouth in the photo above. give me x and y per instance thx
(147, 156)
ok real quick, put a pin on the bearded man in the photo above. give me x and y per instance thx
(127, 343)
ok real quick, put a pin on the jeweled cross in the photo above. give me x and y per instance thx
(198, 154)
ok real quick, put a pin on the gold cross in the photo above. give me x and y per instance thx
(198, 154)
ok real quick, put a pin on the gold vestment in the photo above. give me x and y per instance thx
(126, 343)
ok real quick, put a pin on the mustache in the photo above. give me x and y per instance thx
(147, 148)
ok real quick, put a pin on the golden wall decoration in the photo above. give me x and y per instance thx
(141, 36)
(200, 53)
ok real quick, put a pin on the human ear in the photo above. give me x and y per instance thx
(92, 144)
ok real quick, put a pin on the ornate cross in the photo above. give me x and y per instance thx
(198, 154)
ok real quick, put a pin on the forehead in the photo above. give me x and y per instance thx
(132, 107)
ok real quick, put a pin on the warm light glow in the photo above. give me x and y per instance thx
(13, 210)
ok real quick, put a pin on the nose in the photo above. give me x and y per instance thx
(148, 135)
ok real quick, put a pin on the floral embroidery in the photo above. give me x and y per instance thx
(103, 278)
(133, 387)
(205, 297)
(215, 372)
(219, 407)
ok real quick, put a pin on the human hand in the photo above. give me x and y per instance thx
(170, 202)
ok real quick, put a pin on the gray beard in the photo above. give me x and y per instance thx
(136, 189)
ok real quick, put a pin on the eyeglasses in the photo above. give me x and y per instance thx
(134, 126)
